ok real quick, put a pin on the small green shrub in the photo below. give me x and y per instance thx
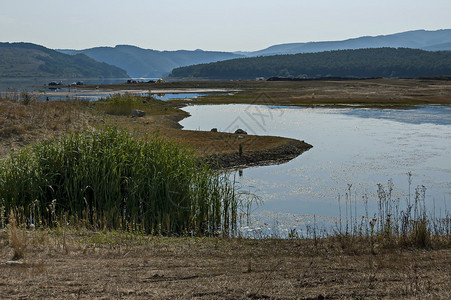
(27, 98)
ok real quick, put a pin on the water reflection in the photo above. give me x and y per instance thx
(433, 114)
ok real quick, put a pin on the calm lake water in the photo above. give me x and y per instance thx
(351, 146)
(65, 93)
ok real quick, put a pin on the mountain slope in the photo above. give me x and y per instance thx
(144, 63)
(417, 39)
(379, 62)
(439, 47)
(30, 60)
(150, 63)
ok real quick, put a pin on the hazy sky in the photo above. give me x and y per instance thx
(211, 25)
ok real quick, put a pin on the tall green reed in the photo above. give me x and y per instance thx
(109, 179)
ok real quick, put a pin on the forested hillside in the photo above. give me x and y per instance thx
(361, 63)
(30, 60)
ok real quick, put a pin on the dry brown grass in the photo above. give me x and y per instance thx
(17, 241)
(22, 124)
(368, 93)
(120, 265)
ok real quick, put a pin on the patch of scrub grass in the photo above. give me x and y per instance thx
(393, 226)
(124, 104)
(120, 104)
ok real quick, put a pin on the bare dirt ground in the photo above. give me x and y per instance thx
(126, 266)
(21, 125)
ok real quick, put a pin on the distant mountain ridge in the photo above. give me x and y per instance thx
(416, 39)
(148, 63)
(31, 60)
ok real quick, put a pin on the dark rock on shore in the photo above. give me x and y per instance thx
(138, 113)
(240, 131)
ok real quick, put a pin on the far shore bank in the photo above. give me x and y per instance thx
(377, 93)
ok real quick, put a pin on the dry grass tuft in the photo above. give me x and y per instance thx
(17, 242)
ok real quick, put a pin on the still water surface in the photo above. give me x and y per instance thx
(12, 88)
(351, 146)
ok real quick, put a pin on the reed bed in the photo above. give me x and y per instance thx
(108, 179)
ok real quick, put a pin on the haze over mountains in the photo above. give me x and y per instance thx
(417, 39)
(24, 59)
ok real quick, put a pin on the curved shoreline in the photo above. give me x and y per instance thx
(270, 156)
(281, 153)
